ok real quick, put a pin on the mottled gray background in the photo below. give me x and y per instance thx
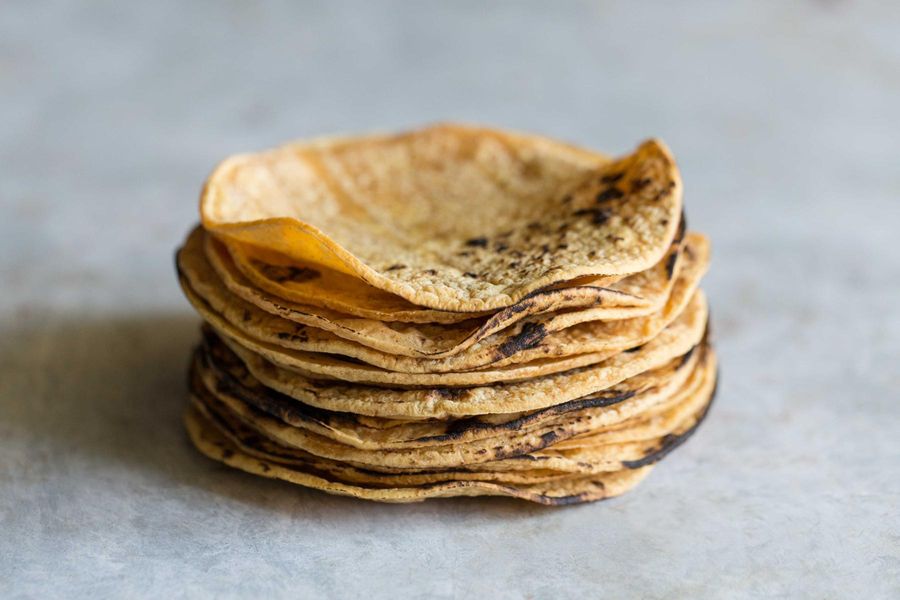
(784, 116)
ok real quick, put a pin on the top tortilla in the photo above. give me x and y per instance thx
(450, 217)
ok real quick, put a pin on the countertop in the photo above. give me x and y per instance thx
(783, 117)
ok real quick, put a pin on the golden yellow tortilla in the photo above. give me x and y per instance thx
(450, 217)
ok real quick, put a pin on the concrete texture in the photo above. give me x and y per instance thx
(784, 119)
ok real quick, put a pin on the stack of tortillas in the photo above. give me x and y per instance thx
(453, 311)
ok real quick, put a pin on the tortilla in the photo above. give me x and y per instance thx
(572, 490)
(541, 336)
(601, 450)
(222, 372)
(582, 351)
(547, 465)
(443, 402)
(687, 401)
(450, 217)
(637, 295)
(250, 442)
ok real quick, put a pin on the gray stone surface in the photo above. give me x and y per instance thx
(785, 119)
